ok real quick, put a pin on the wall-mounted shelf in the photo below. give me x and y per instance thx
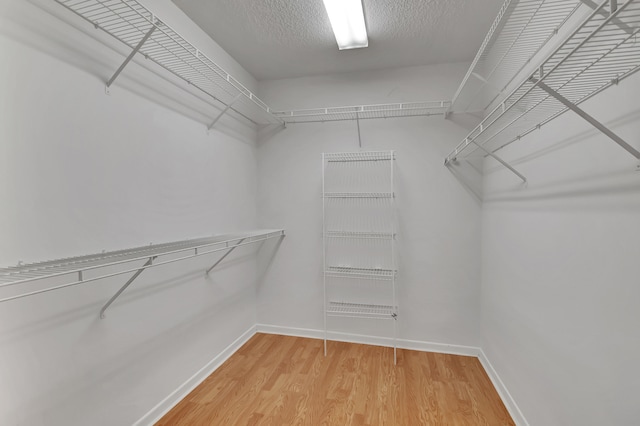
(363, 112)
(85, 269)
(519, 32)
(348, 157)
(134, 25)
(358, 195)
(360, 235)
(358, 310)
(601, 52)
(366, 273)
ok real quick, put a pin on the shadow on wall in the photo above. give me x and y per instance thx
(118, 367)
(632, 117)
(132, 294)
(51, 30)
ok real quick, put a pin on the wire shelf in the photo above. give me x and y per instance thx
(349, 157)
(358, 195)
(358, 310)
(80, 265)
(360, 235)
(601, 52)
(367, 273)
(520, 31)
(363, 112)
(129, 21)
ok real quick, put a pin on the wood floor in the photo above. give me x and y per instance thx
(281, 380)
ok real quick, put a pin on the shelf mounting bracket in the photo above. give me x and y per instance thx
(613, 6)
(224, 111)
(500, 160)
(223, 256)
(127, 284)
(130, 57)
(595, 123)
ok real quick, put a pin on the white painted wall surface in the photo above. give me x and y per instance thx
(81, 171)
(560, 284)
(439, 221)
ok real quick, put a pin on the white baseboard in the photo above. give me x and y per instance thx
(502, 390)
(164, 406)
(415, 345)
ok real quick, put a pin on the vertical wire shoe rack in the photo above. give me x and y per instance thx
(359, 238)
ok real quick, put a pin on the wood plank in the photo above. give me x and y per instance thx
(283, 380)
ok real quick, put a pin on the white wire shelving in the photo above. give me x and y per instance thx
(359, 310)
(81, 270)
(136, 26)
(358, 195)
(366, 273)
(130, 22)
(359, 237)
(520, 31)
(364, 112)
(348, 157)
(601, 52)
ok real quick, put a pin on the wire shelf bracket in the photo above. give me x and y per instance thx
(124, 287)
(130, 57)
(595, 123)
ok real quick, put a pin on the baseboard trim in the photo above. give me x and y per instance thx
(415, 345)
(502, 390)
(164, 406)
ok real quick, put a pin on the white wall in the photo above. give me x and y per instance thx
(439, 220)
(81, 171)
(560, 284)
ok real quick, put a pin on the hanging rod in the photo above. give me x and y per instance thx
(598, 54)
(26, 273)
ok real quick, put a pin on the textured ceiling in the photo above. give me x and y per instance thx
(291, 38)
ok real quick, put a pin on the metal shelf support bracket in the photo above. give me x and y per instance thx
(130, 57)
(595, 123)
(223, 112)
(501, 161)
(127, 284)
(223, 256)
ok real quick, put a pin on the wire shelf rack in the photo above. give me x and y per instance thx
(349, 157)
(129, 21)
(358, 310)
(77, 268)
(520, 31)
(601, 52)
(360, 235)
(366, 273)
(363, 112)
(358, 195)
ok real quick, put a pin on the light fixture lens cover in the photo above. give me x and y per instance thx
(347, 21)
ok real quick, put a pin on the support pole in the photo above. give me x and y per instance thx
(224, 111)
(500, 160)
(127, 284)
(130, 57)
(223, 256)
(595, 123)
(358, 124)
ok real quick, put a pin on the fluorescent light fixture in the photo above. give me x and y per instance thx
(347, 21)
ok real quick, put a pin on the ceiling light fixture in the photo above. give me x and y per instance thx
(347, 21)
